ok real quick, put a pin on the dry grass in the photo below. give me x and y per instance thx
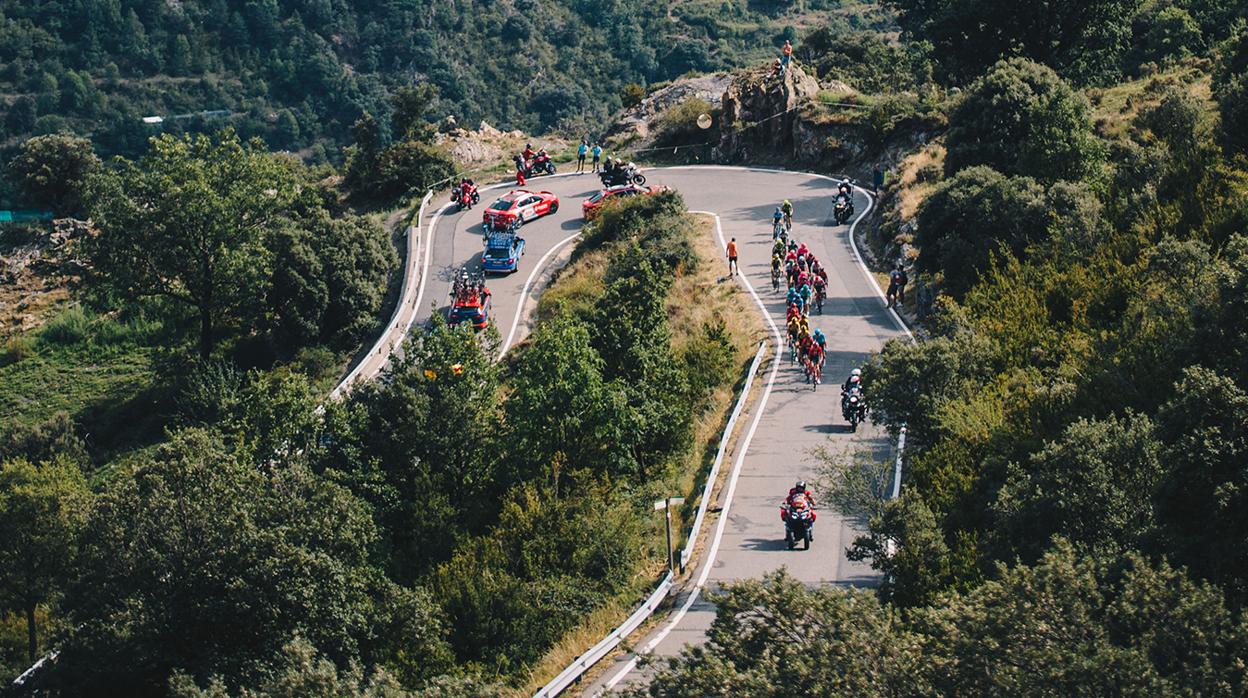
(913, 187)
(1113, 109)
(578, 286)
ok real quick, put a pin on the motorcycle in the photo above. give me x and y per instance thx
(541, 164)
(843, 209)
(628, 175)
(853, 409)
(798, 522)
(464, 202)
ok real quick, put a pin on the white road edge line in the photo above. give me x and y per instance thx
(524, 293)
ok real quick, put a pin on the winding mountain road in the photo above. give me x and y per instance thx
(789, 420)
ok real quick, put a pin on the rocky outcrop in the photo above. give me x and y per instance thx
(637, 126)
(759, 119)
(484, 146)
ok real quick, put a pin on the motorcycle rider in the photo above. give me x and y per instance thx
(528, 154)
(466, 187)
(845, 188)
(853, 384)
(854, 381)
(800, 497)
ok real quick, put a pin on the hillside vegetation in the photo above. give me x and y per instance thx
(299, 73)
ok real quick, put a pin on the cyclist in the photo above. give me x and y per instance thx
(776, 263)
(814, 354)
(822, 341)
(821, 290)
(786, 207)
(777, 220)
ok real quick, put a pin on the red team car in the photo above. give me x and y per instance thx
(519, 206)
(591, 205)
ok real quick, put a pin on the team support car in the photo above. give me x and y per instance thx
(519, 206)
(502, 252)
(593, 204)
(471, 302)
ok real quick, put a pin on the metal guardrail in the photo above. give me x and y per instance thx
(573, 672)
(414, 241)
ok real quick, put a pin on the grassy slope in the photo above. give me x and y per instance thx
(579, 285)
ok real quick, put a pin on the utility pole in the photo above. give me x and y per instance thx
(666, 506)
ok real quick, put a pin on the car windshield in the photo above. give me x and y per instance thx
(597, 197)
(498, 253)
(501, 205)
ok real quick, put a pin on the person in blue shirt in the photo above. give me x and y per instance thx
(596, 151)
(581, 151)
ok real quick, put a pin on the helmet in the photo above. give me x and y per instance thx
(854, 380)
(800, 486)
(777, 209)
(528, 145)
(856, 372)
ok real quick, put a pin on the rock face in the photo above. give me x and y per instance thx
(759, 119)
(636, 125)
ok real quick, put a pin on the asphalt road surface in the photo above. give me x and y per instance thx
(794, 418)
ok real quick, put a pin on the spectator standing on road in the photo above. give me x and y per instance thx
(732, 257)
(581, 151)
(519, 174)
(786, 55)
(597, 152)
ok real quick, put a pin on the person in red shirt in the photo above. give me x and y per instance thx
(732, 257)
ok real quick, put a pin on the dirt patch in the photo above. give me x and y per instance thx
(38, 270)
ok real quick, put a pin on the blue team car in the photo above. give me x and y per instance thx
(502, 252)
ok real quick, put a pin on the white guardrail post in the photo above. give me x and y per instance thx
(573, 672)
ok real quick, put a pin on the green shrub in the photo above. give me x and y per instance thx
(71, 326)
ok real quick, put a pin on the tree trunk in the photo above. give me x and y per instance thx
(32, 636)
(205, 333)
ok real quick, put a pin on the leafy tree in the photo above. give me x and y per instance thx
(561, 410)
(778, 637)
(1075, 624)
(1020, 118)
(1201, 501)
(918, 568)
(974, 215)
(419, 446)
(20, 117)
(188, 223)
(1093, 487)
(552, 560)
(1233, 105)
(224, 564)
(1168, 32)
(410, 166)
(1080, 39)
(1070, 625)
(329, 278)
(52, 172)
(411, 106)
(42, 510)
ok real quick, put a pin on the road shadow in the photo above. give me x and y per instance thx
(765, 544)
(572, 224)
